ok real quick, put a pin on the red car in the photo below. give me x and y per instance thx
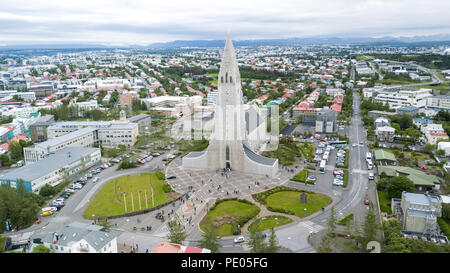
(141, 162)
(366, 202)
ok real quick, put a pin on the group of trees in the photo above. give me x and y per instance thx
(138, 105)
(73, 112)
(352, 233)
(15, 151)
(395, 242)
(395, 186)
(18, 205)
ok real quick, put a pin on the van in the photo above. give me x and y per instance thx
(371, 176)
(46, 211)
(368, 156)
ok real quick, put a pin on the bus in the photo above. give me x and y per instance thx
(322, 165)
(326, 154)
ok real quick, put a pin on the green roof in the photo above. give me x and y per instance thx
(418, 177)
(381, 154)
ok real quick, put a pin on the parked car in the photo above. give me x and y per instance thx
(240, 239)
(70, 190)
(171, 177)
(311, 178)
(77, 186)
(141, 161)
(95, 180)
(366, 201)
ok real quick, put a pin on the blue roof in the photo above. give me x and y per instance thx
(423, 120)
(408, 108)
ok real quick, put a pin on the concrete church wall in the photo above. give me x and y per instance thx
(251, 166)
(199, 162)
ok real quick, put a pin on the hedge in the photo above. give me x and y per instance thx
(345, 178)
(301, 176)
(343, 221)
(261, 197)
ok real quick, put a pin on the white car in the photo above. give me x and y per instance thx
(77, 186)
(353, 145)
(95, 180)
(240, 239)
(70, 190)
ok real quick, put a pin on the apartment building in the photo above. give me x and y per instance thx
(38, 130)
(433, 132)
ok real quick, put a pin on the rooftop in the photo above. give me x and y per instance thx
(54, 161)
(61, 139)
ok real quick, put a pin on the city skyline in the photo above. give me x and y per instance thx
(144, 22)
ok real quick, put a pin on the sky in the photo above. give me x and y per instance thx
(142, 22)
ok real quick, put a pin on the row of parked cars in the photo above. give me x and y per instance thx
(147, 157)
(58, 203)
(340, 159)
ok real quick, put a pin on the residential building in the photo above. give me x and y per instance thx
(81, 238)
(421, 180)
(382, 121)
(326, 121)
(420, 212)
(53, 169)
(41, 90)
(385, 133)
(433, 133)
(383, 157)
(126, 98)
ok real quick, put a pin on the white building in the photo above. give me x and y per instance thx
(84, 137)
(81, 238)
(420, 212)
(433, 133)
(53, 169)
(438, 103)
(444, 146)
(403, 98)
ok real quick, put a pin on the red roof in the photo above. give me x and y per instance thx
(263, 97)
(192, 249)
(338, 100)
(336, 107)
(439, 134)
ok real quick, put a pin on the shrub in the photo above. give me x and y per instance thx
(343, 221)
(160, 175)
(445, 227)
(301, 176)
(167, 188)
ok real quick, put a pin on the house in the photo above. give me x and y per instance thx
(385, 133)
(420, 212)
(383, 157)
(382, 121)
(81, 238)
(421, 180)
(433, 133)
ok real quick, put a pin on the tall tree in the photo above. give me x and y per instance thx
(176, 234)
(328, 240)
(273, 246)
(397, 185)
(210, 240)
(103, 221)
(370, 228)
(257, 243)
(41, 249)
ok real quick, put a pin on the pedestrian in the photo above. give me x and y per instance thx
(146, 251)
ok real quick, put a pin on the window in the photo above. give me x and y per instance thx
(226, 77)
(227, 153)
(231, 79)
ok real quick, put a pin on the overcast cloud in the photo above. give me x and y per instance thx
(148, 21)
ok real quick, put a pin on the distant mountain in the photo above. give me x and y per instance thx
(388, 40)
(304, 41)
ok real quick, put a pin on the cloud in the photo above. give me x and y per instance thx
(144, 21)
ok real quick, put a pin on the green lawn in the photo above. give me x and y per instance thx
(345, 178)
(2, 243)
(223, 215)
(307, 150)
(286, 153)
(301, 176)
(268, 222)
(110, 201)
(289, 202)
(385, 202)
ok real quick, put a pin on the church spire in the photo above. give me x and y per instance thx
(229, 71)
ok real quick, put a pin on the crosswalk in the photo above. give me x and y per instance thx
(311, 226)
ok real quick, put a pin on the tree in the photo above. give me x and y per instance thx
(328, 240)
(273, 246)
(210, 240)
(41, 249)
(370, 227)
(405, 121)
(176, 234)
(103, 221)
(257, 243)
(428, 148)
(397, 185)
(47, 191)
(440, 153)
(6, 162)
(352, 232)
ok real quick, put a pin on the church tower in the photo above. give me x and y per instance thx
(225, 149)
(228, 145)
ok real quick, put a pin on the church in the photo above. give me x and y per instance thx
(229, 145)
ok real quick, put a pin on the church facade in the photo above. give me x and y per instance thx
(229, 146)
